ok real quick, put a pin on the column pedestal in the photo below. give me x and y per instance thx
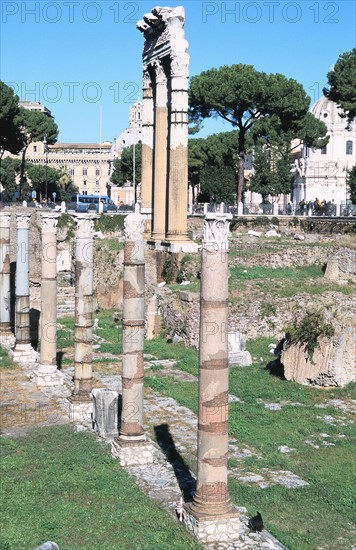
(133, 451)
(46, 376)
(210, 529)
(25, 355)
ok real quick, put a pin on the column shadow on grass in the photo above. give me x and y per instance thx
(186, 481)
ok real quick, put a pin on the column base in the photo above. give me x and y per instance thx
(47, 376)
(210, 528)
(133, 451)
(80, 408)
(24, 354)
(7, 340)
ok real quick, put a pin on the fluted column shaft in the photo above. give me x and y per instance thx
(5, 301)
(133, 330)
(160, 153)
(147, 152)
(212, 496)
(22, 308)
(83, 331)
(178, 153)
(48, 355)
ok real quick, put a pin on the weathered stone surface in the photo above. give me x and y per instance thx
(332, 269)
(49, 545)
(105, 412)
(333, 362)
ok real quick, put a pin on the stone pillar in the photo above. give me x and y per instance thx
(63, 207)
(132, 446)
(160, 154)
(7, 339)
(47, 373)
(178, 152)
(240, 209)
(23, 352)
(210, 511)
(83, 331)
(147, 151)
(275, 208)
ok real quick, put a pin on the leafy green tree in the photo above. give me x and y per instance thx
(342, 84)
(272, 171)
(261, 180)
(351, 184)
(123, 166)
(44, 178)
(212, 164)
(9, 178)
(11, 137)
(242, 96)
(218, 182)
(37, 126)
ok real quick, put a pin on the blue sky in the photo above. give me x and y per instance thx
(81, 57)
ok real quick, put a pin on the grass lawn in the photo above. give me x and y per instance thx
(317, 515)
(64, 486)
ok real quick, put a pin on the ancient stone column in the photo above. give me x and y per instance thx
(147, 151)
(47, 373)
(178, 153)
(132, 446)
(23, 351)
(7, 339)
(83, 331)
(211, 501)
(160, 153)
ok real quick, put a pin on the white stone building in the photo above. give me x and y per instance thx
(133, 134)
(322, 173)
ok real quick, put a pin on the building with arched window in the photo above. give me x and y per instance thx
(322, 173)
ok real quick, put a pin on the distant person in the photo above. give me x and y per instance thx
(289, 209)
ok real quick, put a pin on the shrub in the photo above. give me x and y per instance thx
(109, 224)
(66, 221)
(308, 331)
(189, 268)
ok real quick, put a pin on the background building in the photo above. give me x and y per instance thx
(322, 173)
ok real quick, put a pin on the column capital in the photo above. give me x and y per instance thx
(180, 65)
(134, 226)
(85, 224)
(216, 230)
(146, 79)
(161, 77)
(49, 222)
(23, 220)
(5, 219)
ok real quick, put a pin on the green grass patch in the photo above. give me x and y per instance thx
(6, 362)
(312, 516)
(64, 486)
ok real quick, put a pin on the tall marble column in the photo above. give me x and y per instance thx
(132, 446)
(147, 151)
(211, 502)
(23, 352)
(83, 330)
(47, 373)
(178, 152)
(160, 153)
(7, 339)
